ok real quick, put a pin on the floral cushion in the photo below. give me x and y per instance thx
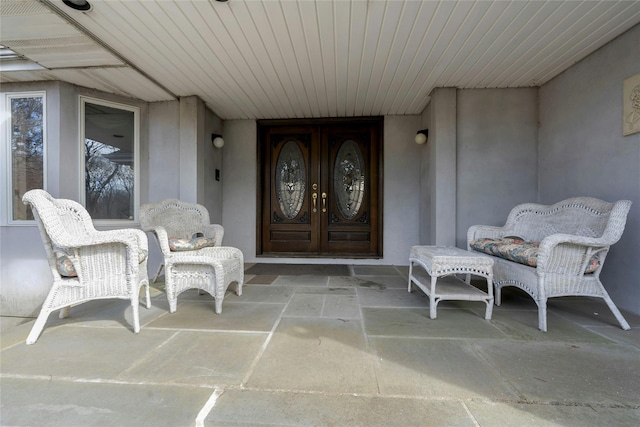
(66, 269)
(197, 241)
(517, 250)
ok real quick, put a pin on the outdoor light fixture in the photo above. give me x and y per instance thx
(421, 136)
(217, 140)
(81, 5)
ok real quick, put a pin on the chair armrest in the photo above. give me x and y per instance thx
(569, 254)
(106, 254)
(214, 230)
(161, 237)
(126, 233)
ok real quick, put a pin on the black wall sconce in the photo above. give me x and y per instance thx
(421, 136)
(217, 140)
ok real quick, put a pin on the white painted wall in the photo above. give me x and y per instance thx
(239, 157)
(164, 151)
(441, 167)
(583, 153)
(479, 162)
(212, 160)
(425, 182)
(497, 131)
(401, 192)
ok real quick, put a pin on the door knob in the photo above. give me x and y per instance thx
(324, 202)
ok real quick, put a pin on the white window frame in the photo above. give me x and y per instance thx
(6, 216)
(136, 158)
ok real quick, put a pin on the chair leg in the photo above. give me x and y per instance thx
(218, 305)
(173, 305)
(157, 274)
(542, 316)
(497, 295)
(38, 326)
(148, 297)
(239, 288)
(64, 312)
(623, 323)
(136, 315)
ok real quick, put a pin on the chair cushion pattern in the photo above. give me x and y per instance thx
(517, 250)
(195, 243)
(66, 269)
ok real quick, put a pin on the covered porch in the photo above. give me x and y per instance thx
(311, 345)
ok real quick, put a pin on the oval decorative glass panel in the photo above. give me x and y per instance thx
(348, 179)
(290, 179)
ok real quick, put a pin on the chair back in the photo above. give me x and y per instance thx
(60, 219)
(580, 216)
(59, 222)
(179, 219)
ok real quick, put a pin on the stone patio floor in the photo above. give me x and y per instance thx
(318, 350)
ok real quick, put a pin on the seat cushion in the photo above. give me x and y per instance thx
(517, 250)
(65, 267)
(196, 242)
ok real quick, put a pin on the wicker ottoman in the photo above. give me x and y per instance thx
(439, 265)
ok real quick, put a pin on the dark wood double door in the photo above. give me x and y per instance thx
(320, 188)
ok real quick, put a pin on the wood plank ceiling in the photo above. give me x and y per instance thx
(255, 59)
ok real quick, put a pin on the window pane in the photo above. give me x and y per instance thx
(27, 151)
(109, 162)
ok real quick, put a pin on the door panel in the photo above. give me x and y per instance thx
(319, 184)
(287, 223)
(351, 163)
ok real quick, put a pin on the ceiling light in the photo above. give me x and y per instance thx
(81, 5)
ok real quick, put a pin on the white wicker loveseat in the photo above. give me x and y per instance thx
(86, 264)
(201, 263)
(564, 245)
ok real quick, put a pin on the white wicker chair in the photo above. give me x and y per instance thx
(211, 269)
(570, 232)
(108, 264)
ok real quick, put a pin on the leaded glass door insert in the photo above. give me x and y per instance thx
(291, 179)
(349, 179)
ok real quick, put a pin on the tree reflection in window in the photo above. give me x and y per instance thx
(109, 183)
(27, 150)
(109, 162)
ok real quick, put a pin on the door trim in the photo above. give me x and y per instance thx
(262, 125)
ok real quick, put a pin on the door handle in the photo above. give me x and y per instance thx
(314, 196)
(324, 202)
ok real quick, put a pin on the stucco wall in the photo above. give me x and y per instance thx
(212, 161)
(441, 167)
(425, 183)
(497, 132)
(583, 153)
(401, 191)
(164, 137)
